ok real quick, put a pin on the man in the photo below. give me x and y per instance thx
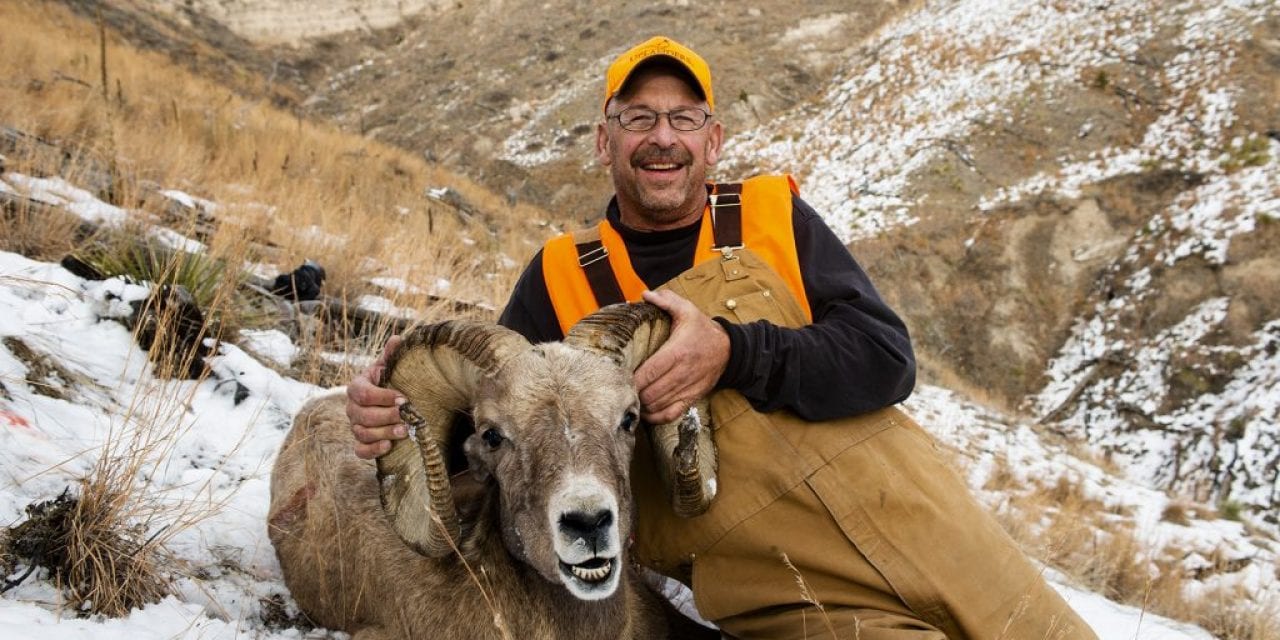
(835, 515)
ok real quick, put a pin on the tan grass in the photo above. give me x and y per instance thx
(1099, 550)
(287, 189)
(808, 595)
(35, 231)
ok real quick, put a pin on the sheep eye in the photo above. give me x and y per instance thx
(492, 438)
(628, 421)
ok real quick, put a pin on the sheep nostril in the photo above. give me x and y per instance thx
(579, 524)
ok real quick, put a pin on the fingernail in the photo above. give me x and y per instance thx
(401, 431)
(385, 446)
(400, 401)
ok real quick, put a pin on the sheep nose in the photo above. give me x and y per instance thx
(591, 527)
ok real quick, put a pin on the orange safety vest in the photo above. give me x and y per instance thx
(587, 269)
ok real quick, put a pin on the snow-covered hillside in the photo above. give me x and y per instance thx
(1008, 110)
(75, 391)
(1153, 358)
(210, 475)
(928, 84)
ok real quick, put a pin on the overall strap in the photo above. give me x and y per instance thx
(593, 257)
(726, 218)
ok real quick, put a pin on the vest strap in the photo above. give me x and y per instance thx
(593, 258)
(726, 218)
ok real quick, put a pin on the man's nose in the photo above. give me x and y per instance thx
(662, 133)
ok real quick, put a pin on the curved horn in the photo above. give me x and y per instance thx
(438, 368)
(628, 333)
(685, 451)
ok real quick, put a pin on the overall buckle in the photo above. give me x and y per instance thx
(593, 256)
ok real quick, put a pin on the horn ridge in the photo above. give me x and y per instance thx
(627, 332)
(439, 369)
(474, 341)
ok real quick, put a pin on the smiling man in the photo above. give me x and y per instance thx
(821, 479)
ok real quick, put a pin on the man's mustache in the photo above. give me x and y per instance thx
(662, 156)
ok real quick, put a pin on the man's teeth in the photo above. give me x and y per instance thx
(661, 167)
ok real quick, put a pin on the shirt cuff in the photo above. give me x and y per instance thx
(735, 370)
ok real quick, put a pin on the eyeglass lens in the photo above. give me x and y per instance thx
(644, 118)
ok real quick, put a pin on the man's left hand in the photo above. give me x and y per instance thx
(687, 366)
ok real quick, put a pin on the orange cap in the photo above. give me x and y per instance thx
(657, 46)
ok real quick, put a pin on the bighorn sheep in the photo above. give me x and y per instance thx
(528, 542)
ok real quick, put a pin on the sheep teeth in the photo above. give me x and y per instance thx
(593, 575)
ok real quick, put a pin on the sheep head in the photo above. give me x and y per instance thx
(555, 427)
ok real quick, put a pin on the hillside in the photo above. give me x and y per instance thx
(1073, 205)
(1010, 174)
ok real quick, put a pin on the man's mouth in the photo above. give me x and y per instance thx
(660, 166)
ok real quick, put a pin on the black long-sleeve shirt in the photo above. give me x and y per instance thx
(855, 357)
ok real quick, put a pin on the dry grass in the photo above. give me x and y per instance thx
(41, 233)
(807, 594)
(286, 189)
(1098, 548)
(104, 542)
(96, 556)
(104, 545)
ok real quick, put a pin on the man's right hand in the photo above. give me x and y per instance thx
(374, 411)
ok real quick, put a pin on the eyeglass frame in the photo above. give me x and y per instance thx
(657, 117)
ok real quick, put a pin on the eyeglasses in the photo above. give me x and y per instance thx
(644, 118)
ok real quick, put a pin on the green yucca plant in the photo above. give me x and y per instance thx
(146, 261)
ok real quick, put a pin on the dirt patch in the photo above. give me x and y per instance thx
(102, 564)
(44, 374)
(990, 297)
(279, 612)
(1252, 277)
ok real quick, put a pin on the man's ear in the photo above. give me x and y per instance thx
(602, 144)
(715, 138)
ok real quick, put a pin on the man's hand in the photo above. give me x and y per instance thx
(687, 367)
(374, 412)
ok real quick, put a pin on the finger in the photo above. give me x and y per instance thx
(668, 301)
(370, 435)
(669, 413)
(371, 451)
(364, 393)
(663, 389)
(379, 368)
(393, 343)
(374, 416)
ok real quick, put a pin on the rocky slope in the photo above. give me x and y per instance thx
(1089, 187)
(1072, 204)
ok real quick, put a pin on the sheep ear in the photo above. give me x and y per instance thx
(475, 463)
(439, 368)
(628, 333)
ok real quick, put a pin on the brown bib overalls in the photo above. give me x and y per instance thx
(853, 528)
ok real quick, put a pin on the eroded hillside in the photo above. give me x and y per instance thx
(1073, 204)
(1090, 187)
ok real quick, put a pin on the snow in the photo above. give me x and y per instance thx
(382, 305)
(927, 83)
(59, 192)
(937, 76)
(189, 201)
(984, 439)
(1115, 622)
(211, 472)
(209, 476)
(272, 344)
